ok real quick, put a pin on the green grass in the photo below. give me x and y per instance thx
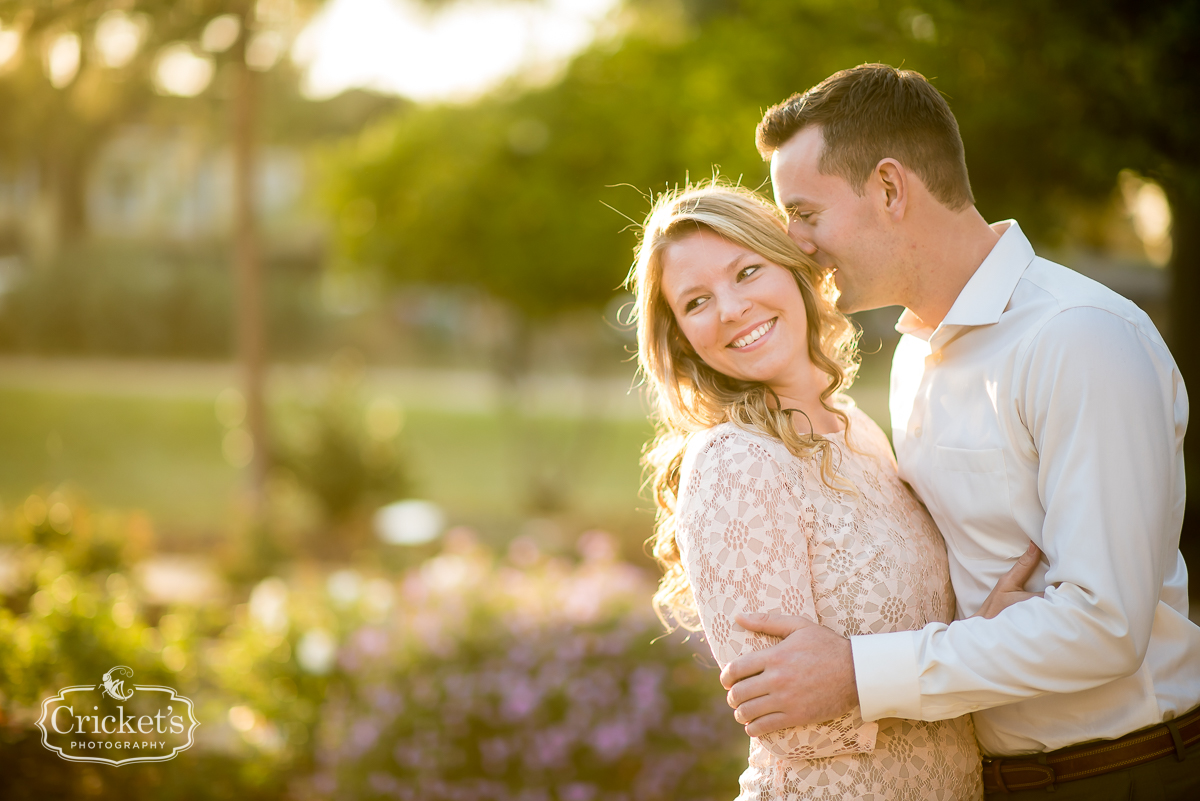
(142, 442)
(163, 455)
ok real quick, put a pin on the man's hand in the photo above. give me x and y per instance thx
(1010, 589)
(808, 678)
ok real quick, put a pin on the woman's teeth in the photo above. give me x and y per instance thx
(754, 335)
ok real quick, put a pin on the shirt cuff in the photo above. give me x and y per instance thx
(885, 670)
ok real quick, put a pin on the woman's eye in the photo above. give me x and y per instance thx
(746, 272)
(693, 303)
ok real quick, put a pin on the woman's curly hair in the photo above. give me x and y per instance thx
(688, 395)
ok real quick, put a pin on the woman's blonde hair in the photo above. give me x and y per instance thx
(689, 396)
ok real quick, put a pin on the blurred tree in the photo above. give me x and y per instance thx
(1053, 100)
(101, 61)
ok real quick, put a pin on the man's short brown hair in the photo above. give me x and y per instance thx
(872, 112)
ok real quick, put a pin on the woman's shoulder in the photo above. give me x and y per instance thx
(732, 434)
(731, 440)
(865, 433)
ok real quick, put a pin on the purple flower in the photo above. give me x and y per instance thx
(371, 641)
(387, 701)
(610, 740)
(383, 783)
(494, 753)
(362, 736)
(576, 791)
(520, 698)
(550, 748)
(659, 777)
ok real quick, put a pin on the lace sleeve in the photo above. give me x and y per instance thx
(742, 538)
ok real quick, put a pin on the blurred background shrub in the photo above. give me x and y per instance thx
(468, 676)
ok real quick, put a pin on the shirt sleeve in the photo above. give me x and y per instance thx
(1105, 408)
(744, 551)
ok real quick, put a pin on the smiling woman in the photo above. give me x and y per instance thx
(737, 329)
(744, 316)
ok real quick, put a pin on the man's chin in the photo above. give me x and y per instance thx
(845, 300)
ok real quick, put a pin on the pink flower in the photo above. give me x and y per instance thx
(577, 791)
(611, 739)
(520, 699)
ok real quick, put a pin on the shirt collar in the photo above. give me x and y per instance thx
(986, 294)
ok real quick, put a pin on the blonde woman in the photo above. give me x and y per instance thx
(776, 493)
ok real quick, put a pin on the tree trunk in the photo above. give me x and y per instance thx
(1184, 196)
(70, 187)
(251, 344)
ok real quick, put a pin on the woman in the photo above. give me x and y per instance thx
(775, 493)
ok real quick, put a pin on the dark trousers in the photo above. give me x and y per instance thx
(1165, 779)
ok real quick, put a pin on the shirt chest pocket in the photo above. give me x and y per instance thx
(971, 487)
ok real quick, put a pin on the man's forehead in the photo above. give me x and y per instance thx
(795, 165)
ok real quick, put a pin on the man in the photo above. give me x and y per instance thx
(1028, 404)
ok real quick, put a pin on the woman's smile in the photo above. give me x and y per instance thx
(743, 314)
(756, 335)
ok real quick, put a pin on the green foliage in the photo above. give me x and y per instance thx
(1053, 100)
(461, 673)
(343, 451)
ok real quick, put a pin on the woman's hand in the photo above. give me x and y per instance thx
(1010, 589)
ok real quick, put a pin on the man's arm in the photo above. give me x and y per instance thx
(1103, 406)
(763, 686)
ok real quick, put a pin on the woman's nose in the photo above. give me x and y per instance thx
(733, 307)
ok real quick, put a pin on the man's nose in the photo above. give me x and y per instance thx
(803, 242)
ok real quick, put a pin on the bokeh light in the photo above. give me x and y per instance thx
(182, 71)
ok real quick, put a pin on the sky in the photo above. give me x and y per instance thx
(454, 54)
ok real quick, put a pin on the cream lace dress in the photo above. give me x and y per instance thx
(760, 531)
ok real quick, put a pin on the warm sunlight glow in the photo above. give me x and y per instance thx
(118, 37)
(10, 43)
(62, 60)
(456, 53)
(181, 71)
(1147, 205)
(220, 33)
(264, 50)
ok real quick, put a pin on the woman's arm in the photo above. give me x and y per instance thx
(744, 548)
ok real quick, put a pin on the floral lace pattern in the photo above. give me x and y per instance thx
(760, 531)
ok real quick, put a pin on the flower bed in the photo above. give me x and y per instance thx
(464, 678)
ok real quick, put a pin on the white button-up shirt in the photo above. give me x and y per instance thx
(1045, 407)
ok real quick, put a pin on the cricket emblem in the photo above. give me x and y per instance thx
(115, 687)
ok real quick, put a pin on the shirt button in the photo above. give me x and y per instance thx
(917, 431)
(937, 357)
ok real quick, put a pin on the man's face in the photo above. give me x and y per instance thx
(841, 230)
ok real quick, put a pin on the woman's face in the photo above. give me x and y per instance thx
(744, 315)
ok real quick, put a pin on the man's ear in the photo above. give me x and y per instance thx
(893, 185)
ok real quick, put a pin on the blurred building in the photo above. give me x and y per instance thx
(151, 183)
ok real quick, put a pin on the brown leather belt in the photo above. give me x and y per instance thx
(1018, 774)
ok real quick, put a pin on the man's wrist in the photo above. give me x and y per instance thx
(886, 679)
(850, 692)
